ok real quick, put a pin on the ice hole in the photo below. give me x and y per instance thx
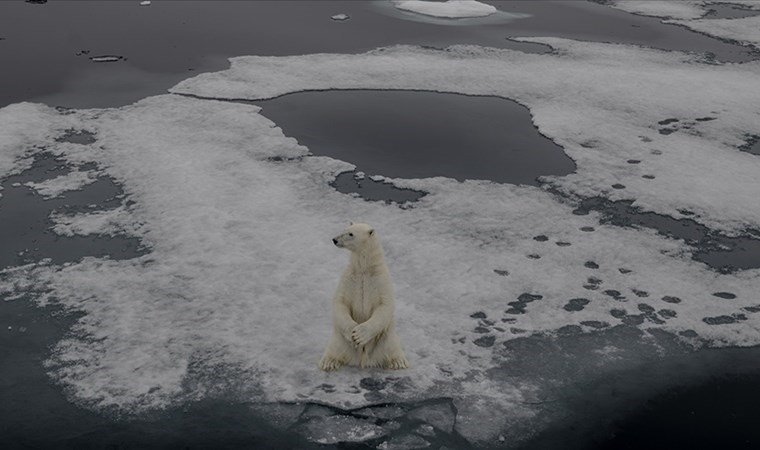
(416, 134)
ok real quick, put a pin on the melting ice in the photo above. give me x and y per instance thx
(235, 294)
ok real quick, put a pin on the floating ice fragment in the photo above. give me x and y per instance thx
(403, 442)
(145, 3)
(382, 412)
(106, 58)
(58, 186)
(440, 415)
(339, 428)
(451, 9)
(340, 17)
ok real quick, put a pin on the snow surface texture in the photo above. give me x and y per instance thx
(690, 14)
(605, 119)
(240, 243)
(451, 9)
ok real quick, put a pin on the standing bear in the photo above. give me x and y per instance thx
(364, 330)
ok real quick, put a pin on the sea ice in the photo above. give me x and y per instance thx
(662, 8)
(56, 187)
(451, 9)
(691, 14)
(745, 30)
(109, 222)
(627, 89)
(235, 294)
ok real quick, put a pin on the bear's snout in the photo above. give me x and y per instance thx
(335, 241)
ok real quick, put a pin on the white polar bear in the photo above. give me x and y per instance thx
(364, 330)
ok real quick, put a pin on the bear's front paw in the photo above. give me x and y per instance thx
(361, 335)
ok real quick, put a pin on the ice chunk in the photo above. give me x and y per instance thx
(340, 17)
(451, 9)
(382, 412)
(57, 186)
(662, 8)
(339, 428)
(281, 415)
(110, 222)
(403, 442)
(440, 415)
(145, 3)
(106, 58)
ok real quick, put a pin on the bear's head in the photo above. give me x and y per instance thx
(356, 236)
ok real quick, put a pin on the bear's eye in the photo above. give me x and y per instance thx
(351, 234)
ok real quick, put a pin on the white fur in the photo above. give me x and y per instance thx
(364, 330)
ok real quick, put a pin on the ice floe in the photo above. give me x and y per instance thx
(451, 9)
(692, 14)
(235, 293)
(57, 186)
(745, 30)
(628, 99)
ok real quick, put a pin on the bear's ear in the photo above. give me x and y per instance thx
(350, 223)
(371, 231)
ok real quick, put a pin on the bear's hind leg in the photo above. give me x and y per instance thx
(328, 363)
(337, 354)
(388, 353)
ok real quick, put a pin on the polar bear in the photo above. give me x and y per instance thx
(364, 330)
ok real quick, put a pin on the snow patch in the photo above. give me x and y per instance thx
(109, 222)
(57, 186)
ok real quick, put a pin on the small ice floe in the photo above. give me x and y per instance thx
(145, 3)
(450, 9)
(340, 17)
(106, 58)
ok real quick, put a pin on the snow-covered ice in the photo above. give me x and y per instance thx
(106, 58)
(108, 222)
(610, 115)
(56, 187)
(451, 9)
(745, 30)
(235, 293)
(691, 14)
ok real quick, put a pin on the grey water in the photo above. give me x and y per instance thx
(752, 145)
(372, 190)
(723, 253)
(24, 219)
(416, 134)
(47, 48)
(729, 11)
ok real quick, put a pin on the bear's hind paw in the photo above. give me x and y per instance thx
(397, 363)
(329, 364)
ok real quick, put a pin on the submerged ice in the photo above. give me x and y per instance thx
(235, 293)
